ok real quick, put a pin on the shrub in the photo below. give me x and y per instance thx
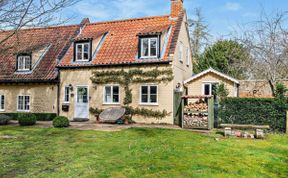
(4, 119)
(60, 122)
(27, 119)
(222, 91)
(258, 111)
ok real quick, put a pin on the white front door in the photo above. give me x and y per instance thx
(82, 103)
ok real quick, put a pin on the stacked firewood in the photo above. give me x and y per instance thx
(199, 106)
(196, 121)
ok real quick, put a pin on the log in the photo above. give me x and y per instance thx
(242, 126)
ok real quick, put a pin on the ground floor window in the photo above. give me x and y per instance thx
(149, 94)
(2, 103)
(111, 94)
(23, 103)
(209, 89)
(67, 94)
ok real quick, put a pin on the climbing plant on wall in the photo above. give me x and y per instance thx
(134, 76)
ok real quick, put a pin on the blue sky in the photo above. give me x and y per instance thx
(222, 16)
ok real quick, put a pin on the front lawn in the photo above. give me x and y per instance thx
(38, 152)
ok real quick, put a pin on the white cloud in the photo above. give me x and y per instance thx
(232, 6)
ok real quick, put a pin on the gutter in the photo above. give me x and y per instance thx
(113, 65)
(29, 81)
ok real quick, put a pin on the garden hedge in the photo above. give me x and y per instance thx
(39, 116)
(256, 111)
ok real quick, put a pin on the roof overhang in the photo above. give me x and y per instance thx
(212, 71)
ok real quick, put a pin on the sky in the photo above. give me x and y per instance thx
(222, 16)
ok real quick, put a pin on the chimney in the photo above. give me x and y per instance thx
(176, 8)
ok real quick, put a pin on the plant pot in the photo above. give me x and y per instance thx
(97, 118)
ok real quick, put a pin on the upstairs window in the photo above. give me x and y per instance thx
(187, 57)
(82, 51)
(149, 47)
(24, 63)
(181, 52)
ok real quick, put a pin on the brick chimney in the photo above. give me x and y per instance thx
(176, 8)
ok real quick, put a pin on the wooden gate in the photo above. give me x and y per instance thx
(178, 108)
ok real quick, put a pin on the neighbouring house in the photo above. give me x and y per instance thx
(49, 70)
(28, 76)
(204, 83)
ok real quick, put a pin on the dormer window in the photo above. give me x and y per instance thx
(82, 51)
(24, 63)
(149, 47)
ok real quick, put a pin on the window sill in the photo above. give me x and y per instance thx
(66, 103)
(111, 104)
(148, 104)
(2, 110)
(82, 60)
(23, 111)
(149, 58)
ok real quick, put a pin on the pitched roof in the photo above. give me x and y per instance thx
(212, 71)
(27, 40)
(120, 45)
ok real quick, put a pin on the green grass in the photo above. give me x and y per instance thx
(138, 153)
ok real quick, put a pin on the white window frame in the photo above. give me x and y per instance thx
(187, 56)
(210, 87)
(25, 59)
(65, 94)
(29, 104)
(111, 88)
(2, 109)
(149, 94)
(76, 51)
(181, 51)
(149, 47)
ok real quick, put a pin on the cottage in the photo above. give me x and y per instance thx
(52, 70)
(145, 44)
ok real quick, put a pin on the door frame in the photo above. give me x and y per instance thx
(88, 100)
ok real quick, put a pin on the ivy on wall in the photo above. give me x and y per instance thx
(134, 76)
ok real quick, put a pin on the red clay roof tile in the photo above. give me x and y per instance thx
(121, 43)
(28, 40)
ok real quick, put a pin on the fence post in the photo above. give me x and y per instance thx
(286, 122)
(210, 113)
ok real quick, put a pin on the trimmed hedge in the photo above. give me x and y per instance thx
(61, 122)
(26, 119)
(256, 111)
(39, 116)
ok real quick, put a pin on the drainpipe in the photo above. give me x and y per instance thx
(58, 93)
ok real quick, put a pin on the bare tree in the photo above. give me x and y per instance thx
(267, 41)
(18, 14)
(199, 34)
